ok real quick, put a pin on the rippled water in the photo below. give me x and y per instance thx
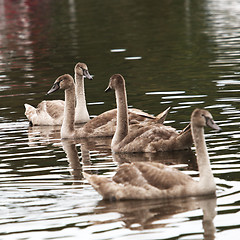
(179, 54)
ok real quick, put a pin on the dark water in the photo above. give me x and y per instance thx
(183, 54)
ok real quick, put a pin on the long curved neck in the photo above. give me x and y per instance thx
(81, 112)
(122, 116)
(205, 172)
(67, 129)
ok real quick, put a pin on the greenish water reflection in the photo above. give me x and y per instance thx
(169, 37)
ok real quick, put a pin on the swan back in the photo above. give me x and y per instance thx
(143, 181)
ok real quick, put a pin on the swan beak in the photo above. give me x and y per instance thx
(54, 88)
(108, 89)
(212, 124)
(87, 75)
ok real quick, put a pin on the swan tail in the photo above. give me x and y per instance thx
(29, 112)
(29, 109)
(102, 185)
(161, 117)
(185, 137)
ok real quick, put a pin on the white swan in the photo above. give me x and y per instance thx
(81, 112)
(142, 137)
(51, 112)
(103, 125)
(150, 180)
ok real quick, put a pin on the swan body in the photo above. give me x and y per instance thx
(142, 137)
(51, 112)
(152, 180)
(103, 125)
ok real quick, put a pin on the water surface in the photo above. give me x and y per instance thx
(179, 54)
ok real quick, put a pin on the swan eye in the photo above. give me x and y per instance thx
(210, 122)
(83, 70)
(86, 73)
(207, 118)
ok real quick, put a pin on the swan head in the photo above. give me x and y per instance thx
(202, 118)
(81, 69)
(116, 81)
(63, 82)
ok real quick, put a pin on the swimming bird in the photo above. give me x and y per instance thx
(151, 180)
(103, 125)
(50, 112)
(145, 137)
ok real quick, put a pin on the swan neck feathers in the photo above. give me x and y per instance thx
(81, 112)
(67, 129)
(122, 115)
(205, 172)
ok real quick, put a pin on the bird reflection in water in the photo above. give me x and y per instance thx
(152, 214)
(75, 166)
(83, 163)
(45, 135)
(184, 158)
